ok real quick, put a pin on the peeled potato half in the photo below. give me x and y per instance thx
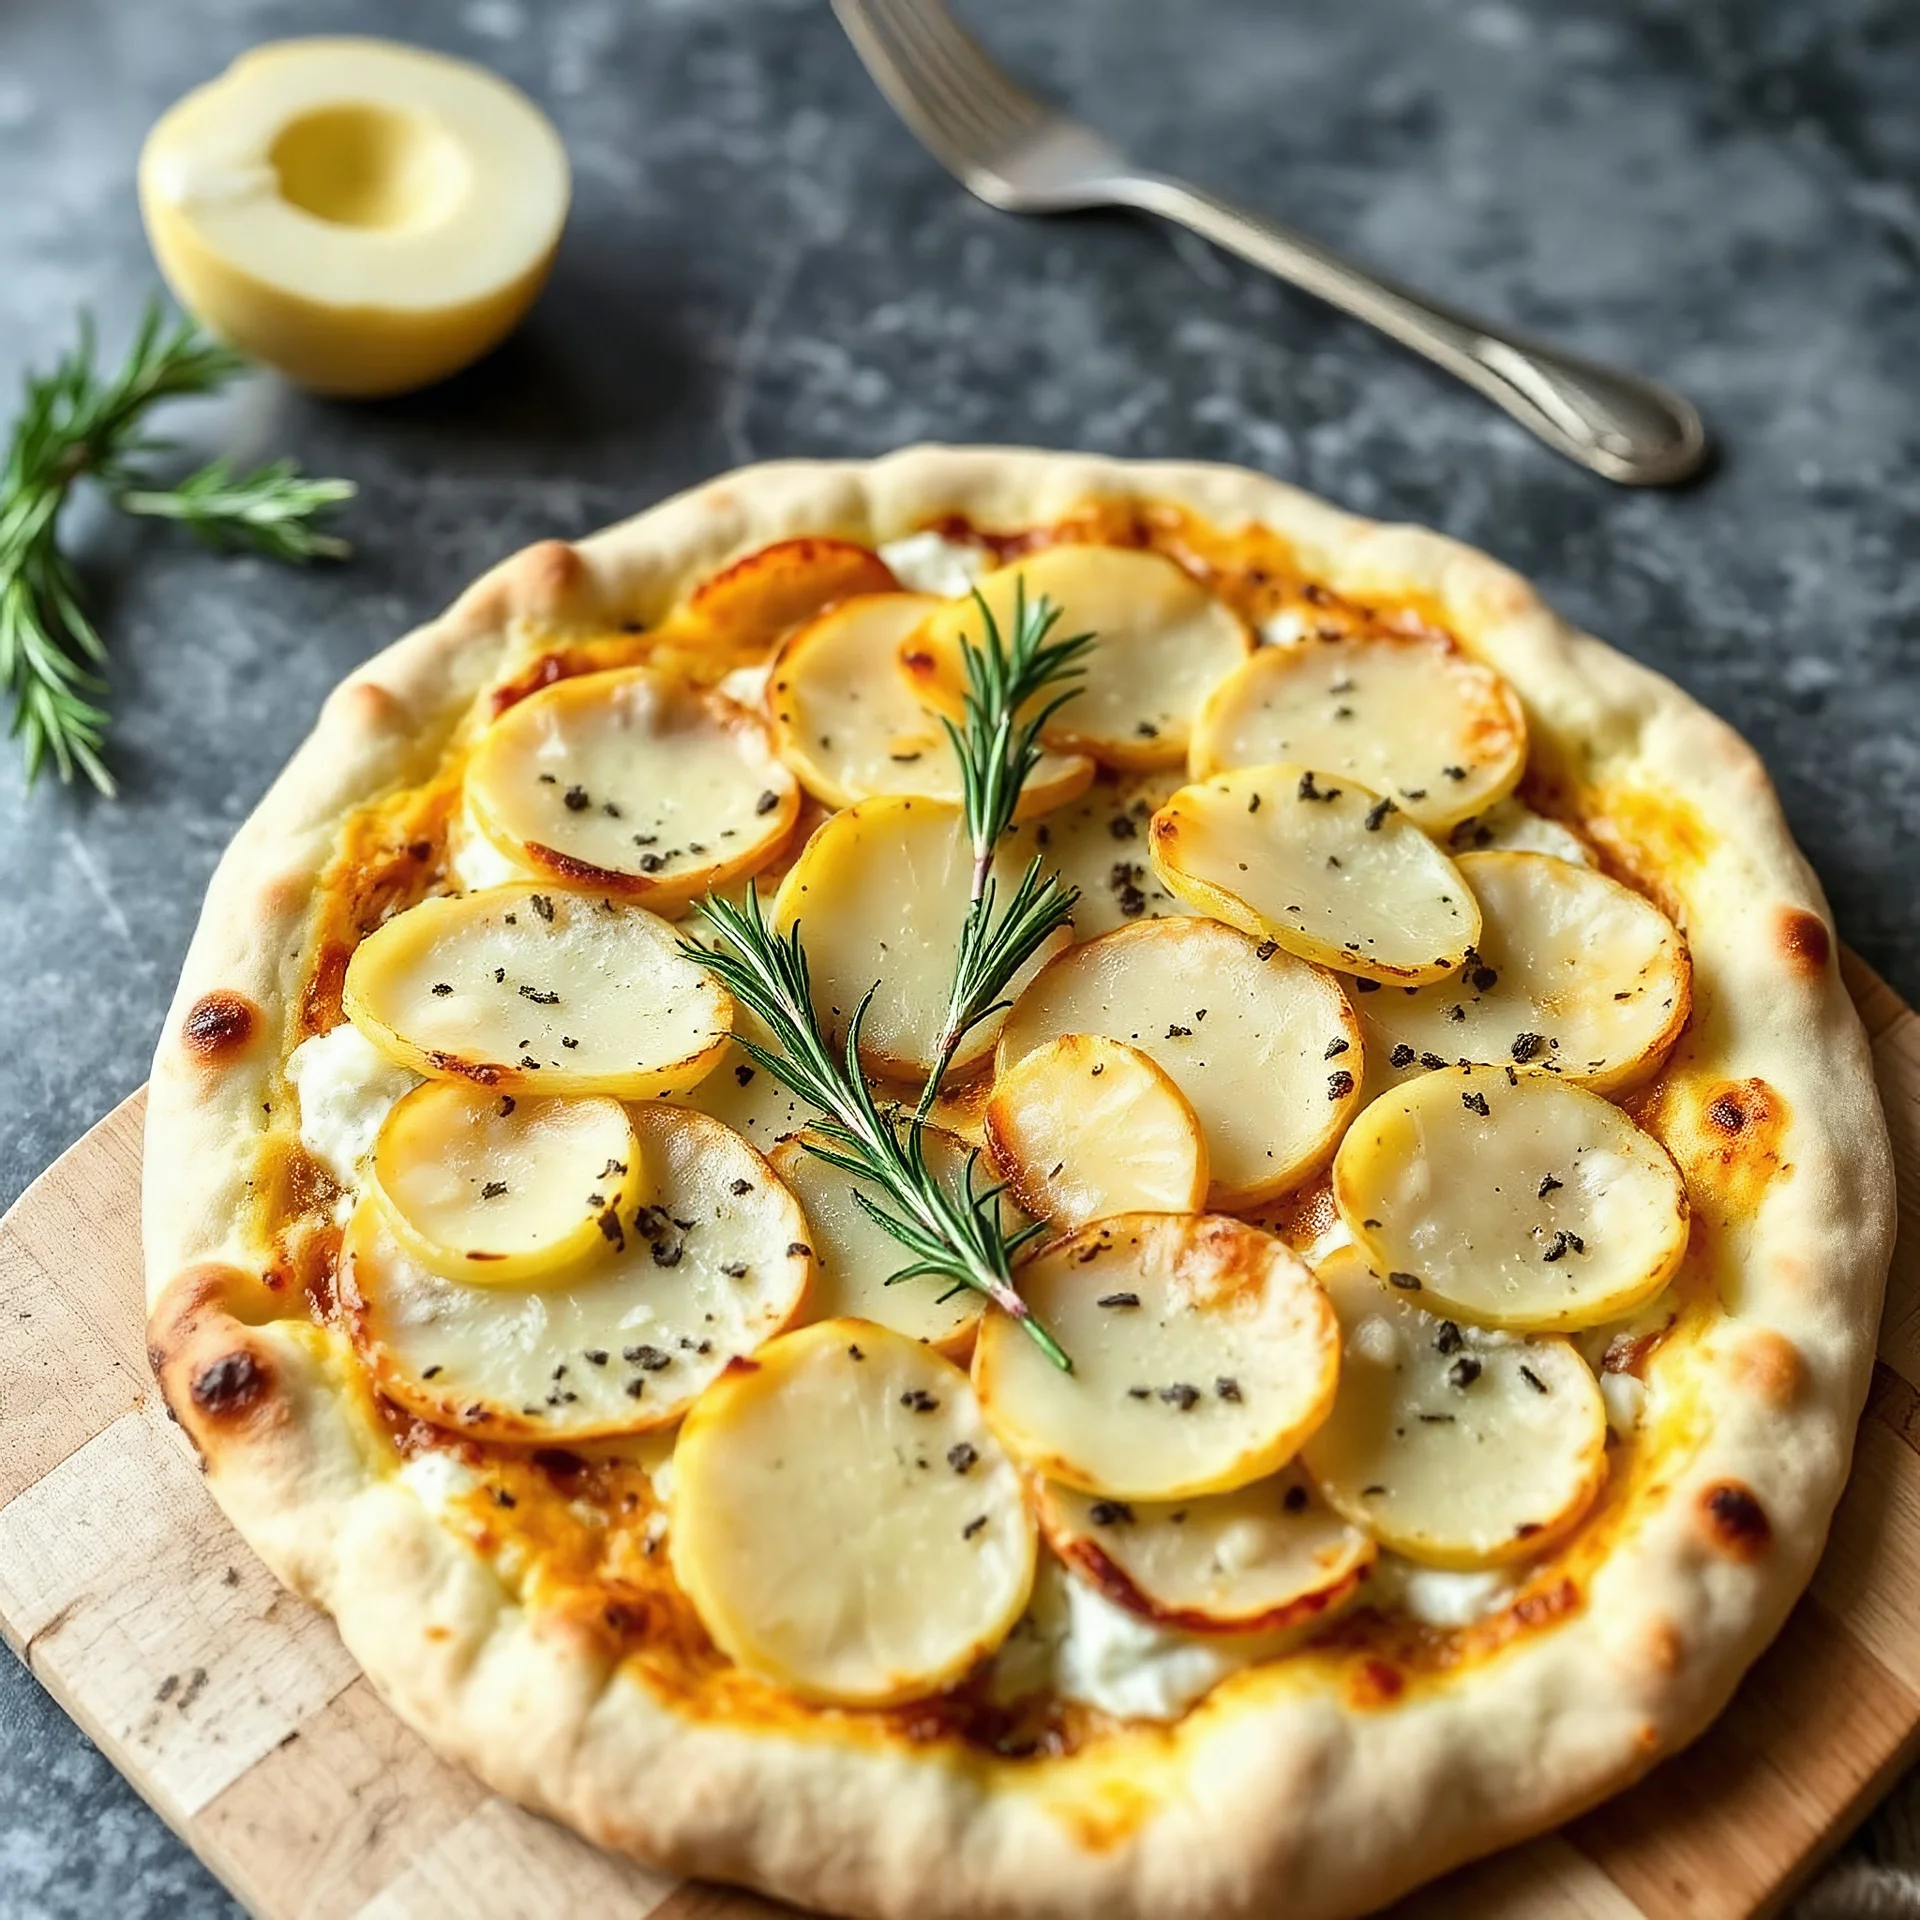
(709, 1264)
(1163, 642)
(1268, 1557)
(484, 1186)
(845, 1522)
(529, 990)
(1512, 1199)
(1085, 1126)
(635, 783)
(1203, 1353)
(1454, 1446)
(1329, 869)
(1410, 717)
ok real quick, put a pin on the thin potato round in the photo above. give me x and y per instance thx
(1266, 1558)
(881, 893)
(1163, 642)
(1097, 844)
(854, 1256)
(1332, 871)
(1451, 1445)
(1411, 717)
(1203, 1353)
(1085, 1126)
(710, 1264)
(486, 1187)
(740, 614)
(1571, 970)
(525, 989)
(634, 783)
(844, 1521)
(850, 728)
(1512, 1199)
(1265, 1048)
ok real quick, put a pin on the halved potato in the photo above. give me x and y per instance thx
(1400, 715)
(1265, 1048)
(632, 782)
(1203, 1352)
(1163, 643)
(881, 892)
(1265, 1558)
(1451, 1445)
(854, 1256)
(848, 725)
(1330, 870)
(1570, 971)
(531, 990)
(1098, 844)
(1085, 1126)
(484, 1186)
(1512, 1199)
(713, 1263)
(844, 1521)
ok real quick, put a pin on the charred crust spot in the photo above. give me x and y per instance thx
(218, 1026)
(1735, 1521)
(228, 1385)
(1805, 942)
(1728, 1112)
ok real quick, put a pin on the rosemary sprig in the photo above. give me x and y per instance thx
(79, 421)
(953, 1235)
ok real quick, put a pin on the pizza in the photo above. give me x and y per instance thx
(1214, 1278)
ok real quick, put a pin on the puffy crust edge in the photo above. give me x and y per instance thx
(1279, 1780)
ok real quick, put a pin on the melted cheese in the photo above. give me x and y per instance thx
(928, 562)
(345, 1085)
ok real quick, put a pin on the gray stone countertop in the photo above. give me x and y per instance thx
(760, 262)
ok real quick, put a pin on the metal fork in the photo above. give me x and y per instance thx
(1017, 152)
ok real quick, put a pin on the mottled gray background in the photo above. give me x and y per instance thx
(760, 262)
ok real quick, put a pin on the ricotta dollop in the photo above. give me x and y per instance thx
(345, 1085)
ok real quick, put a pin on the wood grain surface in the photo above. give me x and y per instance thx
(233, 1708)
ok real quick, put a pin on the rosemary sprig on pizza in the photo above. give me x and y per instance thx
(1428, 1112)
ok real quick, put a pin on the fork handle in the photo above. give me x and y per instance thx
(1630, 430)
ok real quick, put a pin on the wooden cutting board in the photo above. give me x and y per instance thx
(234, 1710)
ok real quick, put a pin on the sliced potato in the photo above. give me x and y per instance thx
(1410, 717)
(484, 1186)
(632, 782)
(854, 1256)
(531, 990)
(1265, 1558)
(743, 1095)
(1264, 1047)
(1512, 1199)
(713, 1262)
(1098, 845)
(1571, 971)
(1203, 1353)
(738, 616)
(1511, 826)
(1085, 1126)
(849, 726)
(882, 894)
(1321, 864)
(844, 1521)
(1163, 643)
(1451, 1445)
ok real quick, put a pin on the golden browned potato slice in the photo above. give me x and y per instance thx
(1410, 717)
(1164, 642)
(1512, 1199)
(1571, 970)
(1085, 1126)
(738, 616)
(1452, 1445)
(711, 1264)
(1260, 1560)
(1264, 1047)
(854, 1256)
(1203, 1353)
(524, 989)
(844, 1521)
(1332, 871)
(632, 782)
(847, 723)
(484, 1186)
(1098, 844)
(881, 893)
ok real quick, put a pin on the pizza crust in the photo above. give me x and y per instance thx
(1290, 1778)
